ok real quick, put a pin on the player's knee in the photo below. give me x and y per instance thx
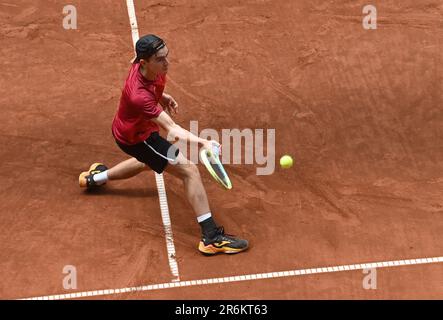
(192, 171)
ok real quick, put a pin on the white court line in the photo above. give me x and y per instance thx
(158, 177)
(133, 21)
(167, 226)
(248, 277)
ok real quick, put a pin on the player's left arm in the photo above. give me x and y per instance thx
(169, 103)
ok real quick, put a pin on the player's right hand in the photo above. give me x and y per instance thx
(212, 146)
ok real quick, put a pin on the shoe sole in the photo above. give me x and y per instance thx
(211, 250)
(82, 178)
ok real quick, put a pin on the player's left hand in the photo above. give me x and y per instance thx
(169, 103)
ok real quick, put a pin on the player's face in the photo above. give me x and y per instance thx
(158, 63)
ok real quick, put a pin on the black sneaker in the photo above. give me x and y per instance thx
(85, 179)
(221, 243)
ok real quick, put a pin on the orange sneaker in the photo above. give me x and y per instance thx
(221, 243)
(85, 179)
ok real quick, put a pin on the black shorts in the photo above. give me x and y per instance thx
(155, 151)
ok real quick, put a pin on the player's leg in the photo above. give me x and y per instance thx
(126, 169)
(214, 240)
(194, 189)
(98, 174)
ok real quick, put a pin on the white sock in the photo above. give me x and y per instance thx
(203, 217)
(100, 178)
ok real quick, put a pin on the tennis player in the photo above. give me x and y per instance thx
(135, 128)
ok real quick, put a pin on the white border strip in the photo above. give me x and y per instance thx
(158, 177)
(248, 277)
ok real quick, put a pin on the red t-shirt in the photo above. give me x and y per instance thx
(138, 104)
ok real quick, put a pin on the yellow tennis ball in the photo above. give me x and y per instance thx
(286, 162)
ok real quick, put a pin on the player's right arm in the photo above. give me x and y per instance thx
(177, 132)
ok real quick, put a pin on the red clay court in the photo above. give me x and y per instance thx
(359, 110)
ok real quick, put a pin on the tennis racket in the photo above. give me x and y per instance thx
(214, 166)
